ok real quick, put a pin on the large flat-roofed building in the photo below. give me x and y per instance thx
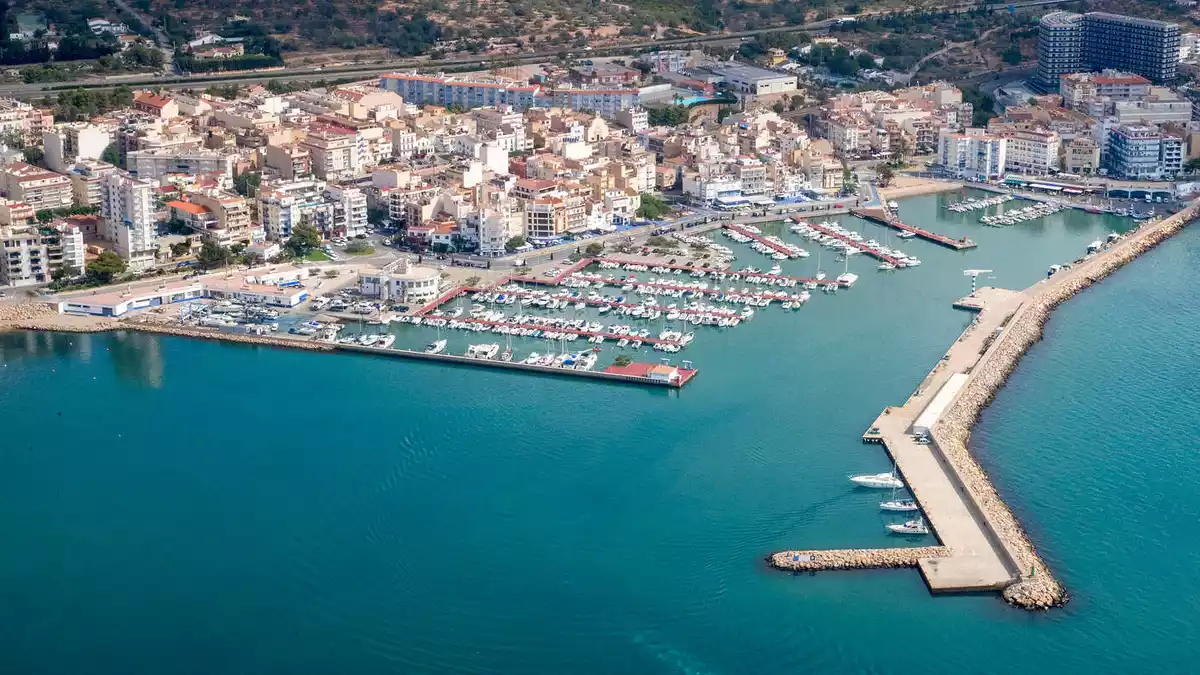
(973, 154)
(1140, 152)
(154, 164)
(752, 80)
(37, 187)
(399, 282)
(1143, 46)
(1073, 43)
(448, 90)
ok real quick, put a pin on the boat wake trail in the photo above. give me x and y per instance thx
(785, 523)
(679, 661)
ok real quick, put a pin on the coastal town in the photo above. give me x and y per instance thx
(596, 217)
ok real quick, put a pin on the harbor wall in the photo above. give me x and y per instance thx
(1037, 587)
(854, 558)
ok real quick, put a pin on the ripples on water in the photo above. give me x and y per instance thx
(207, 508)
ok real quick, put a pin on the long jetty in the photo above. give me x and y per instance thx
(857, 245)
(566, 329)
(881, 217)
(983, 547)
(781, 250)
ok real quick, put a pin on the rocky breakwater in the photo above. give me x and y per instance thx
(165, 327)
(1037, 588)
(15, 314)
(853, 558)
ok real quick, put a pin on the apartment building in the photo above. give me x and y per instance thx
(31, 254)
(1113, 85)
(972, 154)
(232, 222)
(349, 210)
(127, 207)
(37, 187)
(86, 176)
(1032, 151)
(333, 151)
(1081, 156)
(461, 91)
(289, 161)
(545, 218)
(156, 164)
(1140, 152)
(66, 144)
(1072, 43)
(23, 120)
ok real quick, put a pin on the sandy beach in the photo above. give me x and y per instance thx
(910, 186)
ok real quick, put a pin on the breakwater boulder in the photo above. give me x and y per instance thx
(853, 558)
(1036, 588)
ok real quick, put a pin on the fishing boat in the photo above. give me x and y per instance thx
(917, 526)
(435, 347)
(887, 481)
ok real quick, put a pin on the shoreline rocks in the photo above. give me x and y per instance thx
(853, 558)
(1037, 588)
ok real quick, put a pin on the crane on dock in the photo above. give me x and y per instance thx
(974, 274)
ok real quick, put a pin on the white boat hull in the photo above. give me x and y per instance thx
(879, 481)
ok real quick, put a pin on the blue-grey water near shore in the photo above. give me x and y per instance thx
(177, 506)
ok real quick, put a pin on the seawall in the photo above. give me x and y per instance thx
(1037, 587)
(853, 558)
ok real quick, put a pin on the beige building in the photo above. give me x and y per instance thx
(334, 151)
(37, 187)
(1081, 156)
(233, 223)
(85, 181)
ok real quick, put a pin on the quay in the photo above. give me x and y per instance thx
(985, 546)
(726, 271)
(574, 331)
(600, 302)
(861, 247)
(762, 240)
(673, 377)
(881, 217)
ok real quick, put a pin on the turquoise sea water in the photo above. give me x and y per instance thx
(173, 506)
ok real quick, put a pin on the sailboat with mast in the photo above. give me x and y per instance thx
(899, 505)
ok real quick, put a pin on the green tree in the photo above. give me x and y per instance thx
(64, 273)
(514, 243)
(886, 175)
(304, 238)
(213, 255)
(251, 259)
(652, 207)
(180, 248)
(246, 184)
(1012, 55)
(594, 249)
(106, 266)
(33, 155)
(111, 155)
(359, 248)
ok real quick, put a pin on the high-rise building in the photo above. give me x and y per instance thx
(973, 154)
(1143, 46)
(1072, 43)
(1140, 152)
(1060, 47)
(127, 207)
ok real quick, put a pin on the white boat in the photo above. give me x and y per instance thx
(507, 354)
(886, 266)
(435, 347)
(893, 205)
(900, 505)
(847, 279)
(386, 341)
(911, 527)
(887, 481)
(906, 235)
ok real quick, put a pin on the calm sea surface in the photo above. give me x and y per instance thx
(174, 506)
